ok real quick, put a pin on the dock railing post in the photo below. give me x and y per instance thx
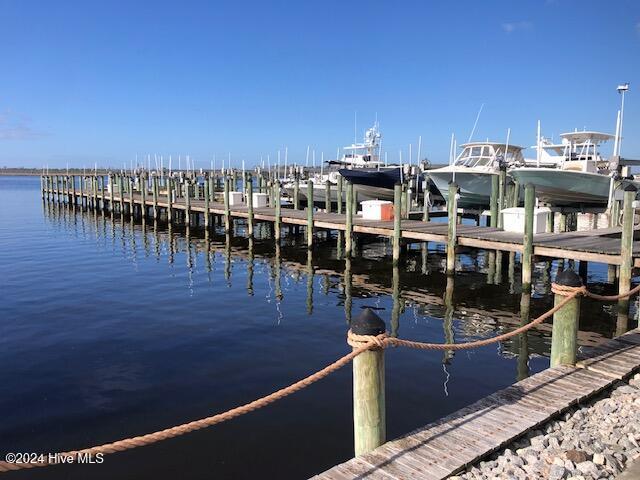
(369, 422)
(564, 334)
(452, 221)
(493, 200)
(527, 247)
(309, 213)
(397, 222)
(348, 234)
(626, 248)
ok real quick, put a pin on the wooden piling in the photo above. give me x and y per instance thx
(169, 200)
(452, 212)
(339, 193)
(564, 334)
(626, 248)
(501, 194)
(154, 195)
(227, 209)
(348, 234)
(131, 202)
(296, 191)
(207, 198)
(369, 422)
(250, 207)
(327, 196)
(187, 202)
(278, 220)
(309, 213)
(527, 247)
(493, 200)
(111, 188)
(397, 207)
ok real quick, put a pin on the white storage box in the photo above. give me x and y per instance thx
(260, 200)
(377, 210)
(513, 219)
(235, 199)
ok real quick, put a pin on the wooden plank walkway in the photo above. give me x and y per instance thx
(601, 246)
(450, 444)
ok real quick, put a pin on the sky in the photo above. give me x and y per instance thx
(103, 82)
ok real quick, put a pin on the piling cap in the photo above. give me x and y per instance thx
(368, 323)
(630, 188)
(569, 278)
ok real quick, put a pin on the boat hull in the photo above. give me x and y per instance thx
(567, 188)
(475, 187)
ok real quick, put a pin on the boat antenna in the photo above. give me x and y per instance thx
(538, 146)
(475, 124)
(506, 147)
(355, 127)
(622, 89)
(307, 160)
(617, 137)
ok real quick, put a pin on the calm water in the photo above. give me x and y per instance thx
(111, 329)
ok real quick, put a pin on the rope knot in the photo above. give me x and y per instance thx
(568, 291)
(357, 341)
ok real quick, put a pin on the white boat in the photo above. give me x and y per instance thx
(579, 176)
(473, 170)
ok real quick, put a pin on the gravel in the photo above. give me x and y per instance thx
(594, 441)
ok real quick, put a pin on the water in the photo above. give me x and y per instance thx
(111, 329)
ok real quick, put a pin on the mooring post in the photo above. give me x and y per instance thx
(187, 202)
(227, 209)
(626, 247)
(452, 221)
(82, 191)
(327, 196)
(501, 193)
(339, 193)
(74, 197)
(309, 213)
(397, 222)
(564, 333)
(143, 194)
(348, 234)
(549, 227)
(206, 200)
(95, 192)
(493, 200)
(277, 227)
(425, 204)
(250, 206)
(369, 422)
(527, 247)
(110, 186)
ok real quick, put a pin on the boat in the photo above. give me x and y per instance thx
(473, 170)
(578, 176)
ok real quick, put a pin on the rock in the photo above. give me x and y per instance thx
(598, 459)
(554, 443)
(539, 443)
(576, 456)
(588, 468)
(557, 472)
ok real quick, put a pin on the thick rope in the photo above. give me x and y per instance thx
(360, 344)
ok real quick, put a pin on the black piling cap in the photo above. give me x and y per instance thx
(569, 278)
(630, 188)
(368, 323)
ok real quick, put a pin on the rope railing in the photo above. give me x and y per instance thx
(360, 344)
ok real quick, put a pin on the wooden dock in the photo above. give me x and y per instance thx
(450, 444)
(601, 246)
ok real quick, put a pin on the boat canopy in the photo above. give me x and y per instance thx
(586, 136)
(486, 154)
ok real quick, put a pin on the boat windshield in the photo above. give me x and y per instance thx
(478, 156)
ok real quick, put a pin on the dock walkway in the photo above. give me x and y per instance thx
(602, 246)
(450, 444)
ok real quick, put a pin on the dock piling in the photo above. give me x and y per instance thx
(348, 235)
(397, 215)
(493, 200)
(369, 422)
(452, 221)
(564, 333)
(626, 249)
(250, 206)
(527, 247)
(278, 220)
(309, 213)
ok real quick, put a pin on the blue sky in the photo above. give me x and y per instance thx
(84, 82)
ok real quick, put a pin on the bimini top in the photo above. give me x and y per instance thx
(586, 136)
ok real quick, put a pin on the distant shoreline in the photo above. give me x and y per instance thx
(34, 172)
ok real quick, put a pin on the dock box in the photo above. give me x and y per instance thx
(513, 219)
(235, 199)
(377, 210)
(260, 200)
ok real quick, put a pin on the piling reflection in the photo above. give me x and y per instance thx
(309, 281)
(523, 338)
(395, 295)
(250, 266)
(449, 311)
